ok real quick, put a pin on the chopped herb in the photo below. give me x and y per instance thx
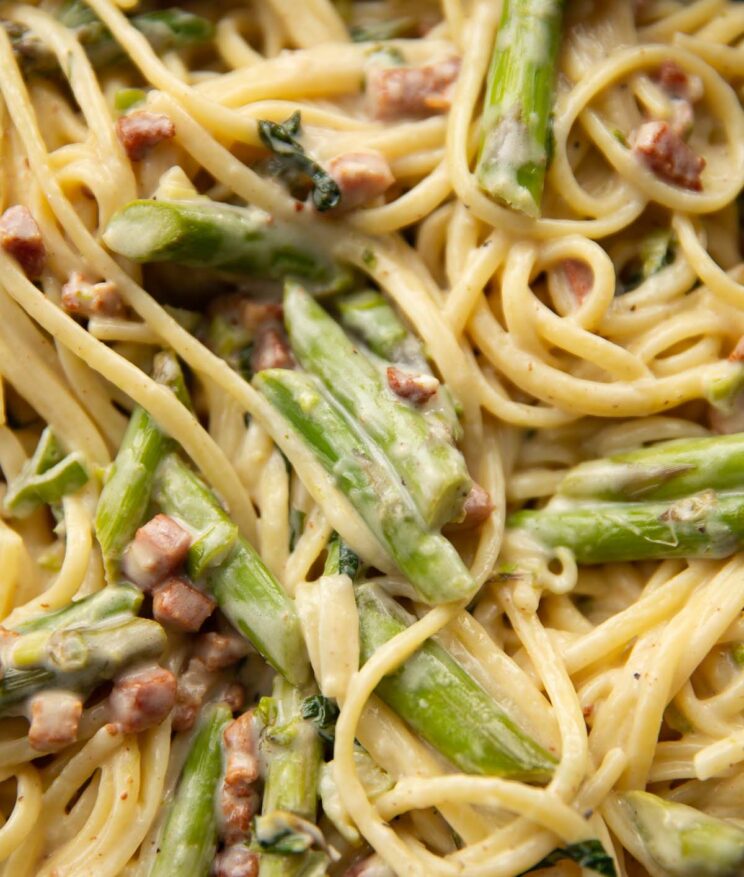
(588, 854)
(293, 166)
(620, 137)
(369, 259)
(322, 712)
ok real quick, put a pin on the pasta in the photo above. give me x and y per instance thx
(469, 505)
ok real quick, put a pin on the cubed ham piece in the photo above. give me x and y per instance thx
(477, 508)
(158, 549)
(396, 92)
(193, 685)
(414, 386)
(255, 313)
(236, 813)
(236, 861)
(179, 604)
(270, 349)
(677, 83)
(580, 278)
(55, 716)
(361, 177)
(142, 698)
(20, 236)
(141, 131)
(234, 696)
(372, 866)
(241, 748)
(81, 298)
(664, 152)
(220, 650)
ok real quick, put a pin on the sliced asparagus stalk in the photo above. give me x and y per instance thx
(519, 102)
(188, 840)
(684, 842)
(74, 659)
(362, 473)
(126, 494)
(237, 240)
(292, 753)
(663, 471)
(110, 601)
(45, 478)
(245, 590)
(165, 29)
(340, 559)
(367, 315)
(432, 469)
(444, 704)
(703, 525)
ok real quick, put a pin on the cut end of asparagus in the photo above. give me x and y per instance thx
(144, 231)
(685, 842)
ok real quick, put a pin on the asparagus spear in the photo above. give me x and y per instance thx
(444, 704)
(74, 659)
(126, 494)
(703, 525)
(519, 102)
(367, 315)
(432, 469)
(188, 841)
(45, 478)
(245, 590)
(238, 240)
(110, 601)
(292, 753)
(662, 471)
(165, 29)
(363, 474)
(684, 842)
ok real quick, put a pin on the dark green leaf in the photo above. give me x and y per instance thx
(322, 712)
(589, 854)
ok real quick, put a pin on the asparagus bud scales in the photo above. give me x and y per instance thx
(189, 837)
(683, 841)
(361, 472)
(432, 468)
(518, 103)
(444, 704)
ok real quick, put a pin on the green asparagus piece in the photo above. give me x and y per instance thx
(292, 752)
(126, 494)
(519, 102)
(684, 842)
(45, 478)
(703, 525)
(165, 29)
(110, 601)
(663, 471)
(432, 469)
(243, 587)
(74, 659)
(340, 559)
(444, 704)
(655, 251)
(188, 841)
(362, 473)
(369, 317)
(238, 240)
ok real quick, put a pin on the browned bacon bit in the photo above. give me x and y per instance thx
(157, 550)
(361, 176)
(192, 687)
(664, 152)
(234, 696)
(677, 83)
(20, 236)
(220, 650)
(580, 278)
(395, 92)
(55, 716)
(139, 132)
(82, 298)
(478, 506)
(270, 349)
(241, 746)
(236, 861)
(414, 386)
(237, 812)
(142, 698)
(373, 866)
(255, 313)
(179, 604)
